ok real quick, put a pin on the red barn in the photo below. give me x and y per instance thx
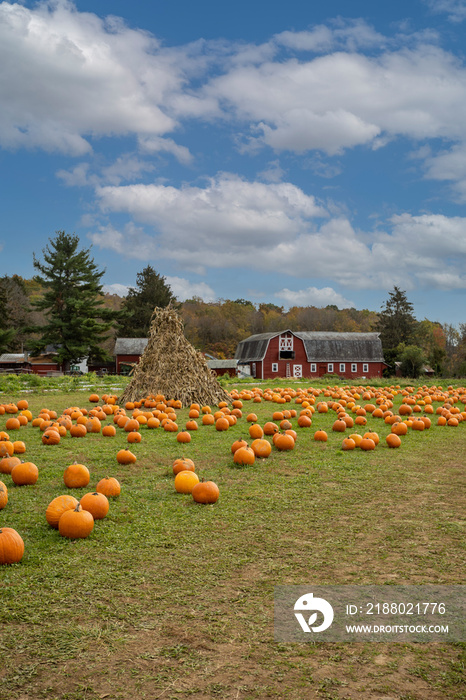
(311, 354)
(128, 351)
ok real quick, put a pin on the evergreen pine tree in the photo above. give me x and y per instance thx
(151, 291)
(77, 322)
(396, 322)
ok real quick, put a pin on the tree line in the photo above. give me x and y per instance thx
(65, 308)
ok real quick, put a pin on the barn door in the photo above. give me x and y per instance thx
(297, 371)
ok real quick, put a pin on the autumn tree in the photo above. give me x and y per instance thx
(412, 360)
(76, 321)
(138, 306)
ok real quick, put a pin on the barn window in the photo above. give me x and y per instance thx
(354, 367)
(313, 368)
(285, 347)
(286, 342)
(274, 366)
(342, 367)
(330, 367)
(365, 367)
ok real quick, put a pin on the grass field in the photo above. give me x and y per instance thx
(171, 599)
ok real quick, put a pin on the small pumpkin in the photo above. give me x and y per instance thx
(11, 546)
(76, 523)
(185, 481)
(367, 444)
(222, 423)
(51, 437)
(3, 495)
(6, 448)
(244, 455)
(206, 492)
(109, 486)
(183, 436)
(76, 476)
(393, 440)
(348, 444)
(12, 424)
(96, 503)
(78, 430)
(283, 441)
(320, 436)
(133, 437)
(261, 448)
(255, 431)
(57, 507)
(125, 457)
(180, 465)
(7, 464)
(25, 474)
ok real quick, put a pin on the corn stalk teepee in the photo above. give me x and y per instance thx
(172, 367)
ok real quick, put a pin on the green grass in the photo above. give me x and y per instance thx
(171, 599)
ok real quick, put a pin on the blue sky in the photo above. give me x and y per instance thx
(296, 153)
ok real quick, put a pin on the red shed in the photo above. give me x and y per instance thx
(311, 354)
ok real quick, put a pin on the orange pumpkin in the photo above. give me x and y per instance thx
(76, 524)
(57, 507)
(76, 476)
(185, 481)
(109, 486)
(25, 474)
(11, 546)
(206, 492)
(96, 503)
(244, 455)
(125, 457)
(261, 448)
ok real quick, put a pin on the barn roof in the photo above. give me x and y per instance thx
(222, 364)
(130, 346)
(12, 357)
(320, 346)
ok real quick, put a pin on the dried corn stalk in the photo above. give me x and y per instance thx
(172, 367)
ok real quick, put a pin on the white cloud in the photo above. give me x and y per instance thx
(341, 100)
(455, 9)
(125, 167)
(184, 289)
(67, 75)
(343, 35)
(133, 242)
(156, 144)
(277, 228)
(230, 217)
(77, 177)
(312, 296)
(116, 288)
